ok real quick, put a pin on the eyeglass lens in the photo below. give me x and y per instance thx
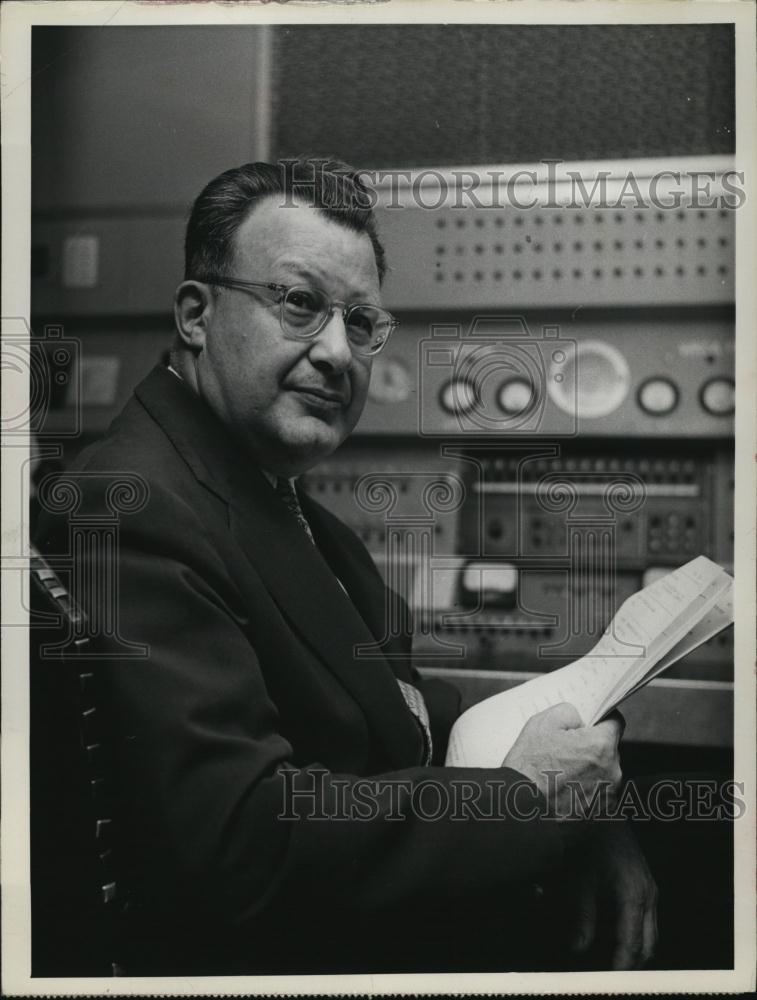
(305, 309)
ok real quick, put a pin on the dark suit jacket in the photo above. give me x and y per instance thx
(251, 671)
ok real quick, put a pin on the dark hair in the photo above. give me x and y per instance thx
(328, 185)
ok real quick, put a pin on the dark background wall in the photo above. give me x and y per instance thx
(140, 118)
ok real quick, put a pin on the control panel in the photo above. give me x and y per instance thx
(558, 375)
(515, 555)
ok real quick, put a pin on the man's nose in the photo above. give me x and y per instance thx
(330, 346)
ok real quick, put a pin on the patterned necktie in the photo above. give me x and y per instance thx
(286, 491)
(413, 697)
(417, 705)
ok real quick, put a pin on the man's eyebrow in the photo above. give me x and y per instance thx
(303, 271)
(300, 269)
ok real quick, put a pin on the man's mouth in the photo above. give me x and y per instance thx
(322, 398)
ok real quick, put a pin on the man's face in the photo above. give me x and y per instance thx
(293, 402)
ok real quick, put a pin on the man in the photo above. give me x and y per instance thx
(249, 838)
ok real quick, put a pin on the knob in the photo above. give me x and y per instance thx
(658, 396)
(718, 396)
(457, 396)
(515, 395)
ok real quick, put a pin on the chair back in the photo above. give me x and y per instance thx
(74, 889)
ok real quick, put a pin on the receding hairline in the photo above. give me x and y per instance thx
(294, 200)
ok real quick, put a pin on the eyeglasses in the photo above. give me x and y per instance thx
(305, 311)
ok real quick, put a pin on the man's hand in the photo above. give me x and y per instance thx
(615, 891)
(557, 741)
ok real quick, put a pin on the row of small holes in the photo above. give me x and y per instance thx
(319, 485)
(579, 220)
(578, 246)
(504, 631)
(597, 272)
(599, 464)
(372, 535)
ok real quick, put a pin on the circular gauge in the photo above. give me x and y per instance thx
(516, 395)
(457, 396)
(600, 377)
(718, 396)
(390, 381)
(658, 396)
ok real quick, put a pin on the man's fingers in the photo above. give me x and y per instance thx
(586, 919)
(564, 715)
(629, 933)
(613, 725)
(649, 933)
(618, 717)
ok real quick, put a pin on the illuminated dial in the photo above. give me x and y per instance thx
(718, 396)
(390, 381)
(516, 395)
(601, 377)
(658, 396)
(457, 396)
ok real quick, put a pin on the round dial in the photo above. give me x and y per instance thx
(516, 395)
(718, 396)
(658, 396)
(390, 381)
(457, 396)
(601, 377)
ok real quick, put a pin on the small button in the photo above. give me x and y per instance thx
(457, 396)
(718, 397)
(658, 396)
(516, 395)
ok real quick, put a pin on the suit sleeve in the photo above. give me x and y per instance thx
(217, 815)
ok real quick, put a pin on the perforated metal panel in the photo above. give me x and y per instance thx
(414, 95)
(495, 258)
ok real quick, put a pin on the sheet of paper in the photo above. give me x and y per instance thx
(681, 620)
(720, 617)
(647, 626)
(684, 607)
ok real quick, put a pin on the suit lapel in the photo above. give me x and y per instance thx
(304, 586)
(355, 568)
(294, 571)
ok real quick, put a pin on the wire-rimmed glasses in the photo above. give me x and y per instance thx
(306, 310)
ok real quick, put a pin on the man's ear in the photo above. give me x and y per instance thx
(193, 311)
